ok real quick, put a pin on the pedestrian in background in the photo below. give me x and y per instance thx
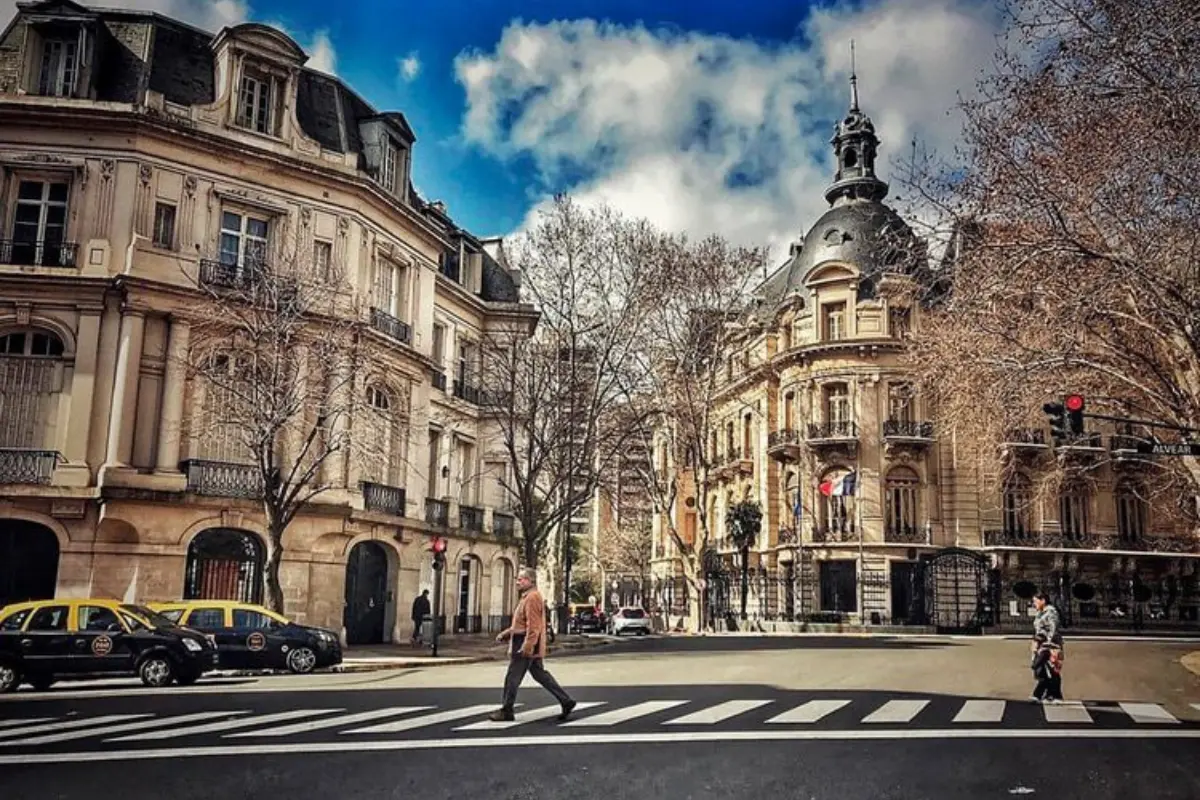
(420, 612)
(527, 649)
(1047, 651)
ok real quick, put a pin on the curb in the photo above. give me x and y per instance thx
(376, 663)
(1191, 662)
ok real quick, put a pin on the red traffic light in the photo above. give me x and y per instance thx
(439, 544)
(1074, 402)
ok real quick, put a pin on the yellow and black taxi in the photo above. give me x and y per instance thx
(43, 640)
(251, 637)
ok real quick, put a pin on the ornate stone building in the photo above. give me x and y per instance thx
(139, 155)
(814, 389)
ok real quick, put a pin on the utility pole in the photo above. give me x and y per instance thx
(439, 566)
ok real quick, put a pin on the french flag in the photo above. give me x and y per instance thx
(842, 487)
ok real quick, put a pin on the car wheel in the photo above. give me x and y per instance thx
(302, 660)
(156, 671)
(10, 678)
(41, 683)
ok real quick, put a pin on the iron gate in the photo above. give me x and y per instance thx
(957, 587)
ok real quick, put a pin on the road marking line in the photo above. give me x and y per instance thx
(428, 719)
(981, 711)
(718, 713)
(812, 711)
(532, 716)
(322, 724)
(8, 723)
(1072, 711)
(51, 738)
(229, 725)
(244, 750)
(1148, 713)
(66, 726)
(896, 711)
(625, 714)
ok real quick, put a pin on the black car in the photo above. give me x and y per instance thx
(43, 640)
(251, 637)
(587, 620)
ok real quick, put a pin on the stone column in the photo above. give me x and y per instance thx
(125, 388)
(83, 386)
(110, 327)
(171, 424)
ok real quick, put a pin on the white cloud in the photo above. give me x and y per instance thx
(706, 133)
(321, 54)
(409, 67)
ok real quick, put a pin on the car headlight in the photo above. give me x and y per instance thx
(193, 645)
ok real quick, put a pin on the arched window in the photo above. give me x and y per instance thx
(382, 444)
(31, 384)
(224, 564)
(1018, 507)
(902, 489)
(1132, 511)
(834, 512)
(1073, 511)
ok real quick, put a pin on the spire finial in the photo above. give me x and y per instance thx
(853, 80)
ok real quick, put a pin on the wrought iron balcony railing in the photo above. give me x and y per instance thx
(905, 534)
(504, 526)
(38, 254)
(28, 467)
(223, 479)
(834, 533)
(470, 518)
(907, 429)
(1025, 436)
(835, 429)
(437, 512)
(465, 391)
(391, 327)
(383, 498)
(1088, 440)
(783, 437)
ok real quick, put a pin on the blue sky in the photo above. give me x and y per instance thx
(704, 116)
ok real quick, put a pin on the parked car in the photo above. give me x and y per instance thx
(630, 619)
(251, 637)
(43, 640)
(586, 619)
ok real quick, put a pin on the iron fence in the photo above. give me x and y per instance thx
(34, 467)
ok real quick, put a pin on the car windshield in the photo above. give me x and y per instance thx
(153, 617)
(633, 613)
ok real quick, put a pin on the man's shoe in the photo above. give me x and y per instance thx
(568, 707)
(502, 715)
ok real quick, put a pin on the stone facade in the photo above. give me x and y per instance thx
(813, 388)
(136, 152)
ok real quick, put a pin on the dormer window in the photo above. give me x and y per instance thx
(60, 67)
(256, 102)
(387, 171)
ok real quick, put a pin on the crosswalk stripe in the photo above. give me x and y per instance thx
(69, 725)
(718, 713)
(321, 724)
(812, 711)
(228, 725)
(981, 711)
(123, 727)
(1072, 711)
(625, 714)
(423, 721)
(1142, 713)
(897, 711)
(6, 723)
(532, 716)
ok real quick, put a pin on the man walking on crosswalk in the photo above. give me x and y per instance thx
(528, 649)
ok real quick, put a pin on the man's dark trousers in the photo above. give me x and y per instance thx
(517, 667)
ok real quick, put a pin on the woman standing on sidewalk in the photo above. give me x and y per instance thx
(1047, 650)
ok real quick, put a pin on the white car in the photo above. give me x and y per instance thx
(634, 620)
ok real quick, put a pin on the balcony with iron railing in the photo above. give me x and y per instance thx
(19, 466)
(905, 534)
(38, 254)
(838, 431)
(383, 498)
(504, 526)
(1056, 539)
(222, 479)
(390, 326)
(470, 518)
(908, 430)
(834, 534)
(465, 391)
(732, 461)
(784, 445)
(437, 512)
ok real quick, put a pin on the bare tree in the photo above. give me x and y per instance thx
(700, 294)
(587, 271)
(276, 359)
(1076, 217)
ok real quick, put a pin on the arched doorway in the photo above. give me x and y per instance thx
(224, 564)
(366, 593)
(28, 561)
(467, 619)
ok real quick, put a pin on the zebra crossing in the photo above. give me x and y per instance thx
(744, 715)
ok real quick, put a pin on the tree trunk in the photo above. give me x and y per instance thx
(745, 582)
(274, 588)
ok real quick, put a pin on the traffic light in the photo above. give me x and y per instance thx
(1074, 404)
(1057, 414)
(439, 552)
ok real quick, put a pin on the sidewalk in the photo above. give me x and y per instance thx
(459, 649)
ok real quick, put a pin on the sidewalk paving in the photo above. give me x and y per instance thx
(459, 649)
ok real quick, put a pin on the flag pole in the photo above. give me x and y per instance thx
(862, 561)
